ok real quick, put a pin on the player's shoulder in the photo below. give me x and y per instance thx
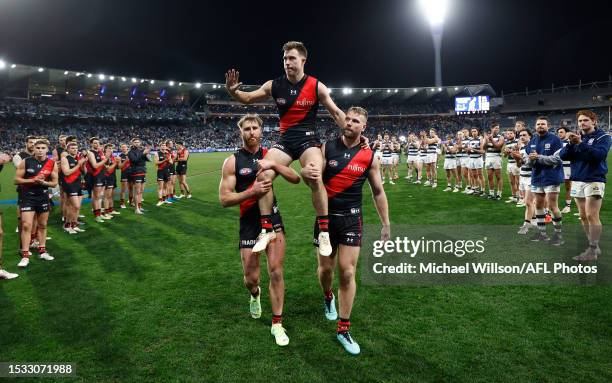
(229, 164)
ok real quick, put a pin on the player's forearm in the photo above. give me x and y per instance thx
(240, 96)
(230, 198)
(287, 173)
(382, 207)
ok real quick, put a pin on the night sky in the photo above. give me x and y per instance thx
(385, 43)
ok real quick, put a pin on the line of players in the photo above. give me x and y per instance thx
(75, 171)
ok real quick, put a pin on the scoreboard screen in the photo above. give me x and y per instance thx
(478, 104)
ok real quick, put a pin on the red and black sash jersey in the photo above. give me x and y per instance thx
(36, 169)
(346, 169)
(246, 174)
(74, 177)
(181, 153)
(126, 162)
(163, 156)
(297, 104)
(98, 156)
(110, 161)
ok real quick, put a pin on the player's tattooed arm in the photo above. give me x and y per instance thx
(380, 198)
(227, 188)
(329, 104)
(233, 84)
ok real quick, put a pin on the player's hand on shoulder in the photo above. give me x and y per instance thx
(364, 142)
(264, 164)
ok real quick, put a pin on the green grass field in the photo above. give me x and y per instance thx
(159, 298)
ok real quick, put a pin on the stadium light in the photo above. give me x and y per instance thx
(388, 90)
(101, 76)
(88, 75)
(396, 91)
(198, 85)
(41, 69)
(2, 64)
(214, 86)
(180, 84)
(365, 91)
(152, 82)
(415, 90)
(433, 90)
(123, 79)
(112, 78)
(347, 91)
(134, 80)
(435, 12)
(456, 88)
(65, 73)
(142, 80)
(13, 66)
(171, 83)
(439, 89)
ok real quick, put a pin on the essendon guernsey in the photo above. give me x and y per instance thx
(98, 156)
(246, 173)
(36, 169)
(346, 169)
(297, 105)
(76, 175)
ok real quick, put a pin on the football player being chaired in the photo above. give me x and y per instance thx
(297, 96)
(35, 175)
(347, 166)
(241, 186)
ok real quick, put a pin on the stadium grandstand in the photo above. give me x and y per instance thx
(37, 100)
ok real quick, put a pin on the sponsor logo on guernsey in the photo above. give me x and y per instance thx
(281, 101)
(305, 102)
(245, 171)
(332, 163)
(356, 168)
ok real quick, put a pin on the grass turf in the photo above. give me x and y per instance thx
(160, 298)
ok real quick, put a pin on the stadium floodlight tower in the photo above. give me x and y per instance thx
(435, 11)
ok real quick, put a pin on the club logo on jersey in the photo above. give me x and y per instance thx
(591, 141)
(245, 171)
(281, 101)
(546, 146)
(332, 163)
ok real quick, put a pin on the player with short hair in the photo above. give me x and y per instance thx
(297, 97)
(347, 167)
(171, 186)
(475, 150)
(396, 150)
(518, 152)
(70, 166)
(412, 157)
(95, 178)
(511, 140)
(587, 153)
(546, 176)
(240, 186)
(181, 170)
(567, 172)
(127, 187)
(493, 162)
(110, 181)
(138, 162)
(431, 161)
(387, 159)
(34, 176)
(450, 164)
(163, 160)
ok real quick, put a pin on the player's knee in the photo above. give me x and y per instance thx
(276, 274)
(590, 217)
(347, 275)
(41, 226)
(251, 279)
(26, 226)
(267, 175)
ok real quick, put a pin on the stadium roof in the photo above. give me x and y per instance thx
(30, 81)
